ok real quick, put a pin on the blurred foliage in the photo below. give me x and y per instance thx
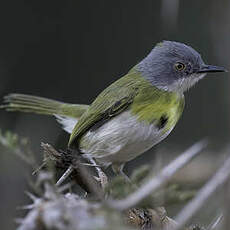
(170, 194)
(18, 145)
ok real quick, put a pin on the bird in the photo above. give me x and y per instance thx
(131, 115)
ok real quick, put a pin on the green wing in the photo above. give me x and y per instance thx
(148, 103)
(112, 101)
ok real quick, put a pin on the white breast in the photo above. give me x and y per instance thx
(121, 139)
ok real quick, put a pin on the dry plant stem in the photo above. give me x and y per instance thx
(159, 180)
(218, 180)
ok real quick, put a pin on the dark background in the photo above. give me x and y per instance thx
(71, 50)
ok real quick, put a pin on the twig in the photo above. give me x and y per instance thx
(202, 196)
(162, 178)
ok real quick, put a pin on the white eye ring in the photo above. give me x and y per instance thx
(179, 66)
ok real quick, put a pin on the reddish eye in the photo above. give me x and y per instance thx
(179, 66)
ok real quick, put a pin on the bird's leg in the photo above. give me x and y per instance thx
(102, 178)
(118, 170)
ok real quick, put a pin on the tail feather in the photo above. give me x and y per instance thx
(40, 105)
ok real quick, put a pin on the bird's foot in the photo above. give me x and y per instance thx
(118, 170)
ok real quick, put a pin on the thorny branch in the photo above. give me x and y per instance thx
(158, 181)
(75, 166)
(88, 212)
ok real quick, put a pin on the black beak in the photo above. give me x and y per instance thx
(211, 69)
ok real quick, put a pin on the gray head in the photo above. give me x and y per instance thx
(174, 66)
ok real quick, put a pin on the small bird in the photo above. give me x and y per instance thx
(132, 114)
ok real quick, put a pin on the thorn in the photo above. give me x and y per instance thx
(31, 196)
(39, 168)
(26, 207)
(65, 175)
(85, 195)
(90, 165)
(215, 222)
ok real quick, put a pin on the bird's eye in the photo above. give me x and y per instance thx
(179, 66)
